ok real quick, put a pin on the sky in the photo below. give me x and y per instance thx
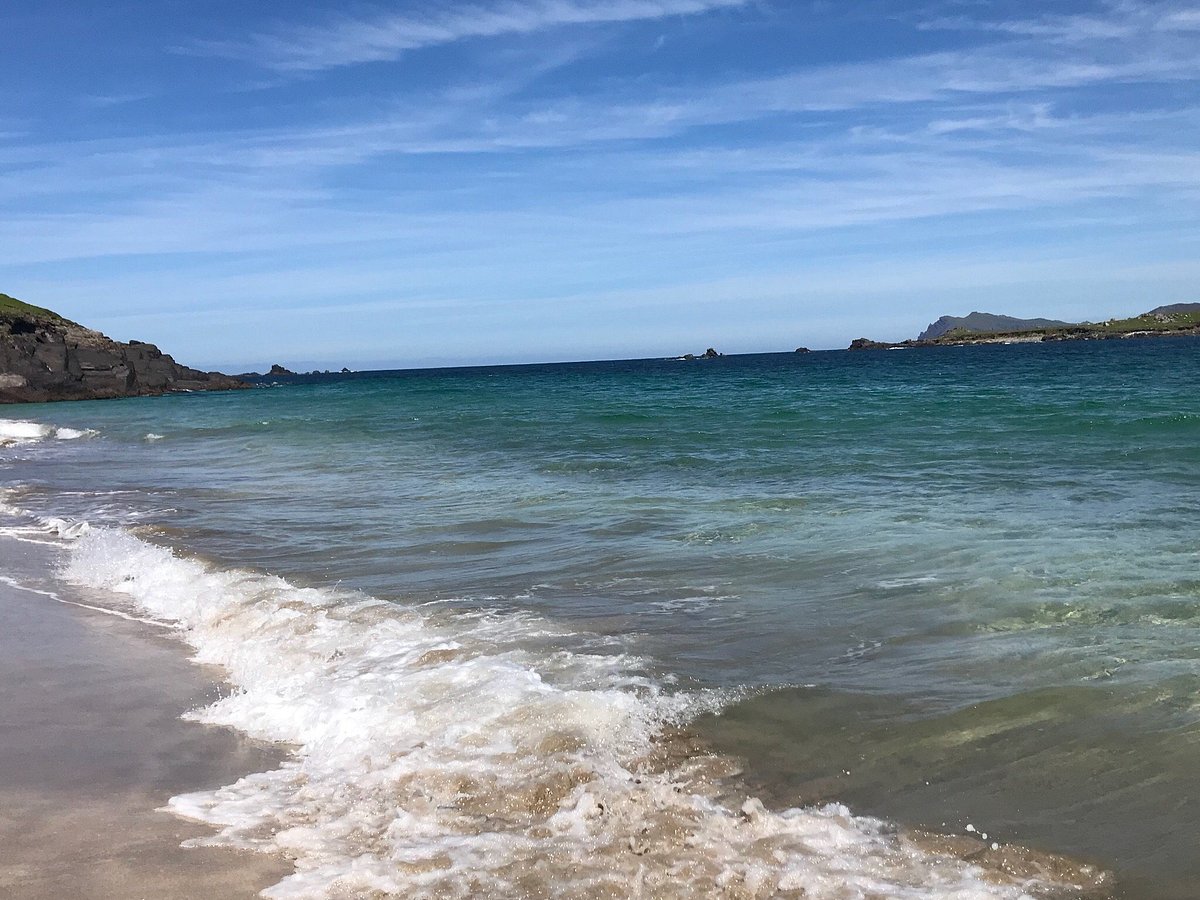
(394, 184)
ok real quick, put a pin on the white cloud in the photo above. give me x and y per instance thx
(1116, 20)
(1183, 20)
(104, 101)
(349, 41)
(266, 195)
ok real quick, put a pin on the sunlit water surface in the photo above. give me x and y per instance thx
(947, 587)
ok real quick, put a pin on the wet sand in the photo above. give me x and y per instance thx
(91, 747)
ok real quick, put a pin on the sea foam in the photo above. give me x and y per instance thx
(16, 431)
(452, 755)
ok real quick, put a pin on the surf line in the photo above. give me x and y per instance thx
(13, 583)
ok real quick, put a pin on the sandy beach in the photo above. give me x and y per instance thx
(92, 746)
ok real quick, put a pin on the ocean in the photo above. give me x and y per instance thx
(909, 624)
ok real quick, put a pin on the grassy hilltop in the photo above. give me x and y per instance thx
(45, 357)
(12, 308)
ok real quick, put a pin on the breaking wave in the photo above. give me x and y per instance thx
(16, 431)
(451, 754)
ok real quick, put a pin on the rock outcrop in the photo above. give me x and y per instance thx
(46, 357)
(710, 353)
(868, 344)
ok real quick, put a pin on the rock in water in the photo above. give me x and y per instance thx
(868, 344)
(46, 357)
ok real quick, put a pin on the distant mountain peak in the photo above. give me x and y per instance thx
(1174, 309)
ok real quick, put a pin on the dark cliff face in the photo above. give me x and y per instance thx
(45, 357)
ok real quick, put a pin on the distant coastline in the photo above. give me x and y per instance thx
(46, 357)
(1164, 321)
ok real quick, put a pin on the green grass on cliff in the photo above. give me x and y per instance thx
(1165, 322)
(12, 308)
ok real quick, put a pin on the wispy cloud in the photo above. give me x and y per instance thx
(105, 101)
(271, 193)
(1116, 20)
(1184, 19)
(349, 41)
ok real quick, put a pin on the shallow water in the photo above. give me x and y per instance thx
(947, 587)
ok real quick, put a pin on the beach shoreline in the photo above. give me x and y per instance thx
(541, 632)
(90, 755)
(92, 746)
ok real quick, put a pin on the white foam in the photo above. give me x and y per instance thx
(151, 436)
(21, 586)
(7, 507)
(65, 528)
(17, 431)
(454, 754)
(37, 530)
(21, 432)
(892, 584)
(73, 434)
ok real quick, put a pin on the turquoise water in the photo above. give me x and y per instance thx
(946, 586)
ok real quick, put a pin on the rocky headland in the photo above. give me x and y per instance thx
(987, 322)
(988, 328)
(44, 357)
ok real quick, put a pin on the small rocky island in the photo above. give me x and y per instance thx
(988, 328)
(44, 357)
(710, 353)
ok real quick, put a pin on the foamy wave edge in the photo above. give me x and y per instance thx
(472, 755)
(18, 431)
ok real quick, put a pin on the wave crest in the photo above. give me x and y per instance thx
(451, 754)
(17, 431)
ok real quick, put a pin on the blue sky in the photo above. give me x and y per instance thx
(404, 183)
